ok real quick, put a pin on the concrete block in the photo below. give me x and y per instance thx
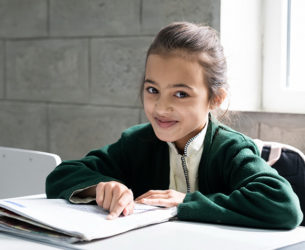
(75, 130)
(117, 70)
(284, 128)
(23, 125)
(48, 70)
(94, 17)
(278, 127)
(244, 122)
(158, 13)
(23, 18)
(1, 69)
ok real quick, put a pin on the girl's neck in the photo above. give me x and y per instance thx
(182, 143)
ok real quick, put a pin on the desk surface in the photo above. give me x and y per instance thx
(180, 235)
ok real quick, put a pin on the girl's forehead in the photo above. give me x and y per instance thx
(198, 59)
(174, 62)
(169, 69)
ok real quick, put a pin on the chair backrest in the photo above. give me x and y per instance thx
(23, 172)
(289, 162)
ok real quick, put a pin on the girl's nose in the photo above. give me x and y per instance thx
(163, 106)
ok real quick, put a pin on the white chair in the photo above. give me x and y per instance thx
(23, 172)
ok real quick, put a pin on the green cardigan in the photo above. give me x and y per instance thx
(236, 186)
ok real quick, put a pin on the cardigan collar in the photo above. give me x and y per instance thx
(193, 145)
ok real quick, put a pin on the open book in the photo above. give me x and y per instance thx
(56, 220)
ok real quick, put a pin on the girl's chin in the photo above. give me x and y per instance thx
(165, 138)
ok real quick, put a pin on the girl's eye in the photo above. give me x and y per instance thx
(151, 90)
(181, 94)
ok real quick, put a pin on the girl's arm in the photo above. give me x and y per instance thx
(256, 195)
(103, 165)
(238, 188)
(98, 176)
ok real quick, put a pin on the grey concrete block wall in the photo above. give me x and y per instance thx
(1, 69)
(159, 13)
(23, 18)
(244, 122)
(24, 125)
(117, 70)
(75, 130)
(128, 17)
(48, 70)
(283, 128)
(94, 17)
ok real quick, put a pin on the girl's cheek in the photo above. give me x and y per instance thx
(149, 100)
(148, 105)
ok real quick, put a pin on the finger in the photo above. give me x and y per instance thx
(151, 192)
(142, 196)
(118, 209)
(100, 189)
(122, 203)
(116, 193)
(157, 196)
(107, 196)
(153, 196)
(159, 202)
(129, 209)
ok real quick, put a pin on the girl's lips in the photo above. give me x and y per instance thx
(165, 123)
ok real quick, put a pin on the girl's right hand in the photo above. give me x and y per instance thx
(114, 197)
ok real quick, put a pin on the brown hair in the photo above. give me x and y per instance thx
(189, 38)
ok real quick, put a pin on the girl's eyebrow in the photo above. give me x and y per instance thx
(149, 81)
(181, 85)
(176, 85)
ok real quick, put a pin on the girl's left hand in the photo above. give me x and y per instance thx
(164, 198)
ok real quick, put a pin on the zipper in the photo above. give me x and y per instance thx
(184, 166)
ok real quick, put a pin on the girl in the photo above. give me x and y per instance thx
(184, 157)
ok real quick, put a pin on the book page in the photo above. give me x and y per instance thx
(86, 222)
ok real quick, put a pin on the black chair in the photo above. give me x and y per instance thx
(289, 162)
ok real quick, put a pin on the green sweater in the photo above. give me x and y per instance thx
(236, 186)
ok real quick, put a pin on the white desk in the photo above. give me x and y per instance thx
(180, 235)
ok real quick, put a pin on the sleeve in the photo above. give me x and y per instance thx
(74, 198)
(102, 165)
(257, 196)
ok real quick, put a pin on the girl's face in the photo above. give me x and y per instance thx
(175, 98)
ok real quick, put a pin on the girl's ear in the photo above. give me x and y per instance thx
(218, 99)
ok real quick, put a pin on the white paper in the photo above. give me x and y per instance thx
(85, 221)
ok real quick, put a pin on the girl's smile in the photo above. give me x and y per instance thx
(165, 122)
(175, 97)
